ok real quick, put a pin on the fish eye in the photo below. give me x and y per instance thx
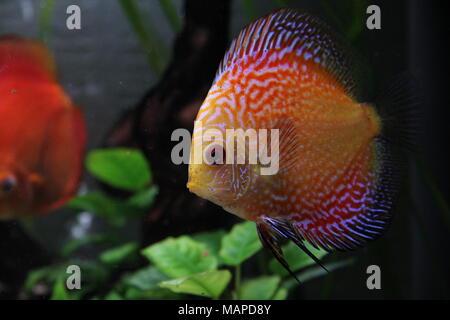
(7, 185)
(214, 153)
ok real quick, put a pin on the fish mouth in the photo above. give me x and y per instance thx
(219, 195)
(215, 195)
(196, 189)
(207, 193)
(190, 185)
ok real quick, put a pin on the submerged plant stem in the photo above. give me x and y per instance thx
(154, 48)
(171, 14)
(45, 19)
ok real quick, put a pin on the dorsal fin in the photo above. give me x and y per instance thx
(305, 35)
(25, 57)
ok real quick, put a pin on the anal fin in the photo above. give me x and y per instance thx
(272, 231)
(271, 241)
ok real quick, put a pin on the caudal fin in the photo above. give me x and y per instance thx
(398, 108)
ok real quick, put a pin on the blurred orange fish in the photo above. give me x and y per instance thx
(42, 133)
(338, 168)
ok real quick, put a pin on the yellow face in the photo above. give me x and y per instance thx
(214, 179)
(211, 176)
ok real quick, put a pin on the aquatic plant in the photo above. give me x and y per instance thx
(119, 273)
(45, 18)
(203, 264)
(147, 34)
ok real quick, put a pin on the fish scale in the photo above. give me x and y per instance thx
(42, 136)
(337, 177)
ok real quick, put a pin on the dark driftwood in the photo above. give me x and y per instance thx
(173, 103)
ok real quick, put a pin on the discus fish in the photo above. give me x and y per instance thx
(338, 171)
(42, 133)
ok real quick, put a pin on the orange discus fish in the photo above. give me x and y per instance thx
(42, 133)
(338, 170)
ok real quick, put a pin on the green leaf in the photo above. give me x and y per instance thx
(212, 240)
(143, 284)
(92, 202)
(145, 279)
(93, 274)
(133, 293)
(143, 199)
(61, 293)
(241, 243)
(296, 258)
(47, 274)
(116, 212)
(262, 288)
(100, 204)
(207, 284)
(281, 294)
(119, 254)
(119, 167)
(180, 257)
(113, 295)
(102, 238)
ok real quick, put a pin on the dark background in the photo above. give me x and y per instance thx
(104, 69)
